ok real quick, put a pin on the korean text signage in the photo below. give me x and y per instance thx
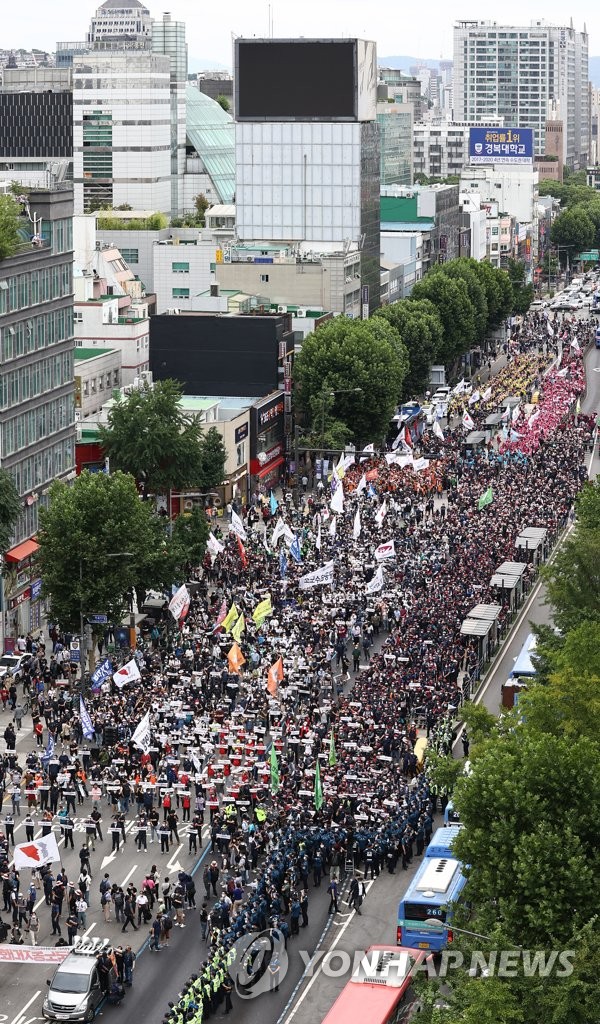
(269, 413)
(500, 145)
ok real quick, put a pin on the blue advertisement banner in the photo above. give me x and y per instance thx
(500, 145)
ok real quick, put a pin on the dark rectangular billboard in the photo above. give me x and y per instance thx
(305, 80)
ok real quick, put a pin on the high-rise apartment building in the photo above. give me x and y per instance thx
(37, 411)
(307, 148)
(526, 75)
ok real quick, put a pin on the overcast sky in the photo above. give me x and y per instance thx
(420, 30)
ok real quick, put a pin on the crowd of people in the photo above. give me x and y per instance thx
(290, 745)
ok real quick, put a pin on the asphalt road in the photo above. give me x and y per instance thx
(301, 999)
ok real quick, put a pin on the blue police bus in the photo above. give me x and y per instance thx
(425, 911)
(598, 337)
(440, 844)
(451, 815)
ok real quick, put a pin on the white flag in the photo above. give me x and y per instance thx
(278, 531)
(34, 854)
(237, 525)
(213, 545)
(397, 439)
(332, 526)
(141, 737)
(369, 449)
(487, 394)
(437, 430)
(474, 398)
(380, 516)
(362, 484)
(419, 464)
(128, 674)
(386, 550)
(337, 500)
(550, 330)
(575, 345)
(356, 527)
(467, 422)
(506, 413)
(515, 413)
(319, 578)
(534, 416)
(376, 583)
(318, 540)
(288, 535)
(563, 373)
(460, 387)
(179, 605)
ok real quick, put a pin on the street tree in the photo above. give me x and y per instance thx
(522, 293)
(187, 544)
(9, 226)
(573, 580)
(574, 228)
(82, 527)
(10, 508)
(498, 291)
(455, 310)
(420, 329)
(464, 269)
(150, 436)
(363, 359)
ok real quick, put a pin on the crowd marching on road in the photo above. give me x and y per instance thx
(279, 723)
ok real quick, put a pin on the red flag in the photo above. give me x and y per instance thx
(274, 677)
(372, 474)
(242, 551)
(222, 614)
(407, 438)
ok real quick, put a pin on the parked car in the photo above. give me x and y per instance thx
(10, 664)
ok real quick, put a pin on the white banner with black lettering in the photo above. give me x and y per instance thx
(321, 577)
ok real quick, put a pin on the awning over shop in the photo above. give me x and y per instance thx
(22, 551)
(270, 467)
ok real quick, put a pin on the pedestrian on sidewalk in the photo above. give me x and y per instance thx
(332, 892)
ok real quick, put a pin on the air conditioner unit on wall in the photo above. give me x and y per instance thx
(282, 309)
(301, 312)
(188, 505)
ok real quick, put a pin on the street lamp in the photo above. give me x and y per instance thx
(82, 644)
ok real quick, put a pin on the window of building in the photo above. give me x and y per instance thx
(264, 278)
(131, 255)
(77, 317)
(180, 268)
(240, 454)
(180, 293)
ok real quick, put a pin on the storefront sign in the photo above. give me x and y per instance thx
(36, 589)
(241, 433)
(270, 413)
(20, 598)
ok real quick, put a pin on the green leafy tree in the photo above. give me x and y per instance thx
(149, 436)
(498, 291)
(187, 544)
(573, 580)
(420, 328)
(9, 226)
(83, 525)
(574, 228)
(344, 355)
(463, 269)
(223, 102)
(10, 509)
(522, 293)
(455, 310)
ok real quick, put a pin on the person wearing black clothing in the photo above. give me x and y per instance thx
(128, 912)
(104, 970)
(141, 833)
(115, 831)
(66, 827)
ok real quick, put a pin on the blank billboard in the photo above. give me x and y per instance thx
(296, 79)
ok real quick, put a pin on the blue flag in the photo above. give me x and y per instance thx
(295, 551)
(372, 492)
(86, 723)
(273, 503)
(282, 564)
(103, 672)
(49, 751)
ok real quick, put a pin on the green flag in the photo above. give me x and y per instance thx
(332, 753)
(318, 788)
(486, 499)
(274, 770)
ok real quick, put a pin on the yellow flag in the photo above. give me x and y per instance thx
(238, 629)
(261, 611)
(230, 618)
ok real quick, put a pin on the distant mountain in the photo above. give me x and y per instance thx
(404, 63)
(595, 71)
(204, 64)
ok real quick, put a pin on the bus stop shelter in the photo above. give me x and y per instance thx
(479, 629)
(533, 539)
(511, 571)
(477, 438)
(493, 420)
(488, 613)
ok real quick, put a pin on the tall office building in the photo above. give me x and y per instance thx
(36, 114)
(129, 119)
(122, 131)
(527, 75)
(307, 148)
(37, 410)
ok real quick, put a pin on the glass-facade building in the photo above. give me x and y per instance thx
(37, 408)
